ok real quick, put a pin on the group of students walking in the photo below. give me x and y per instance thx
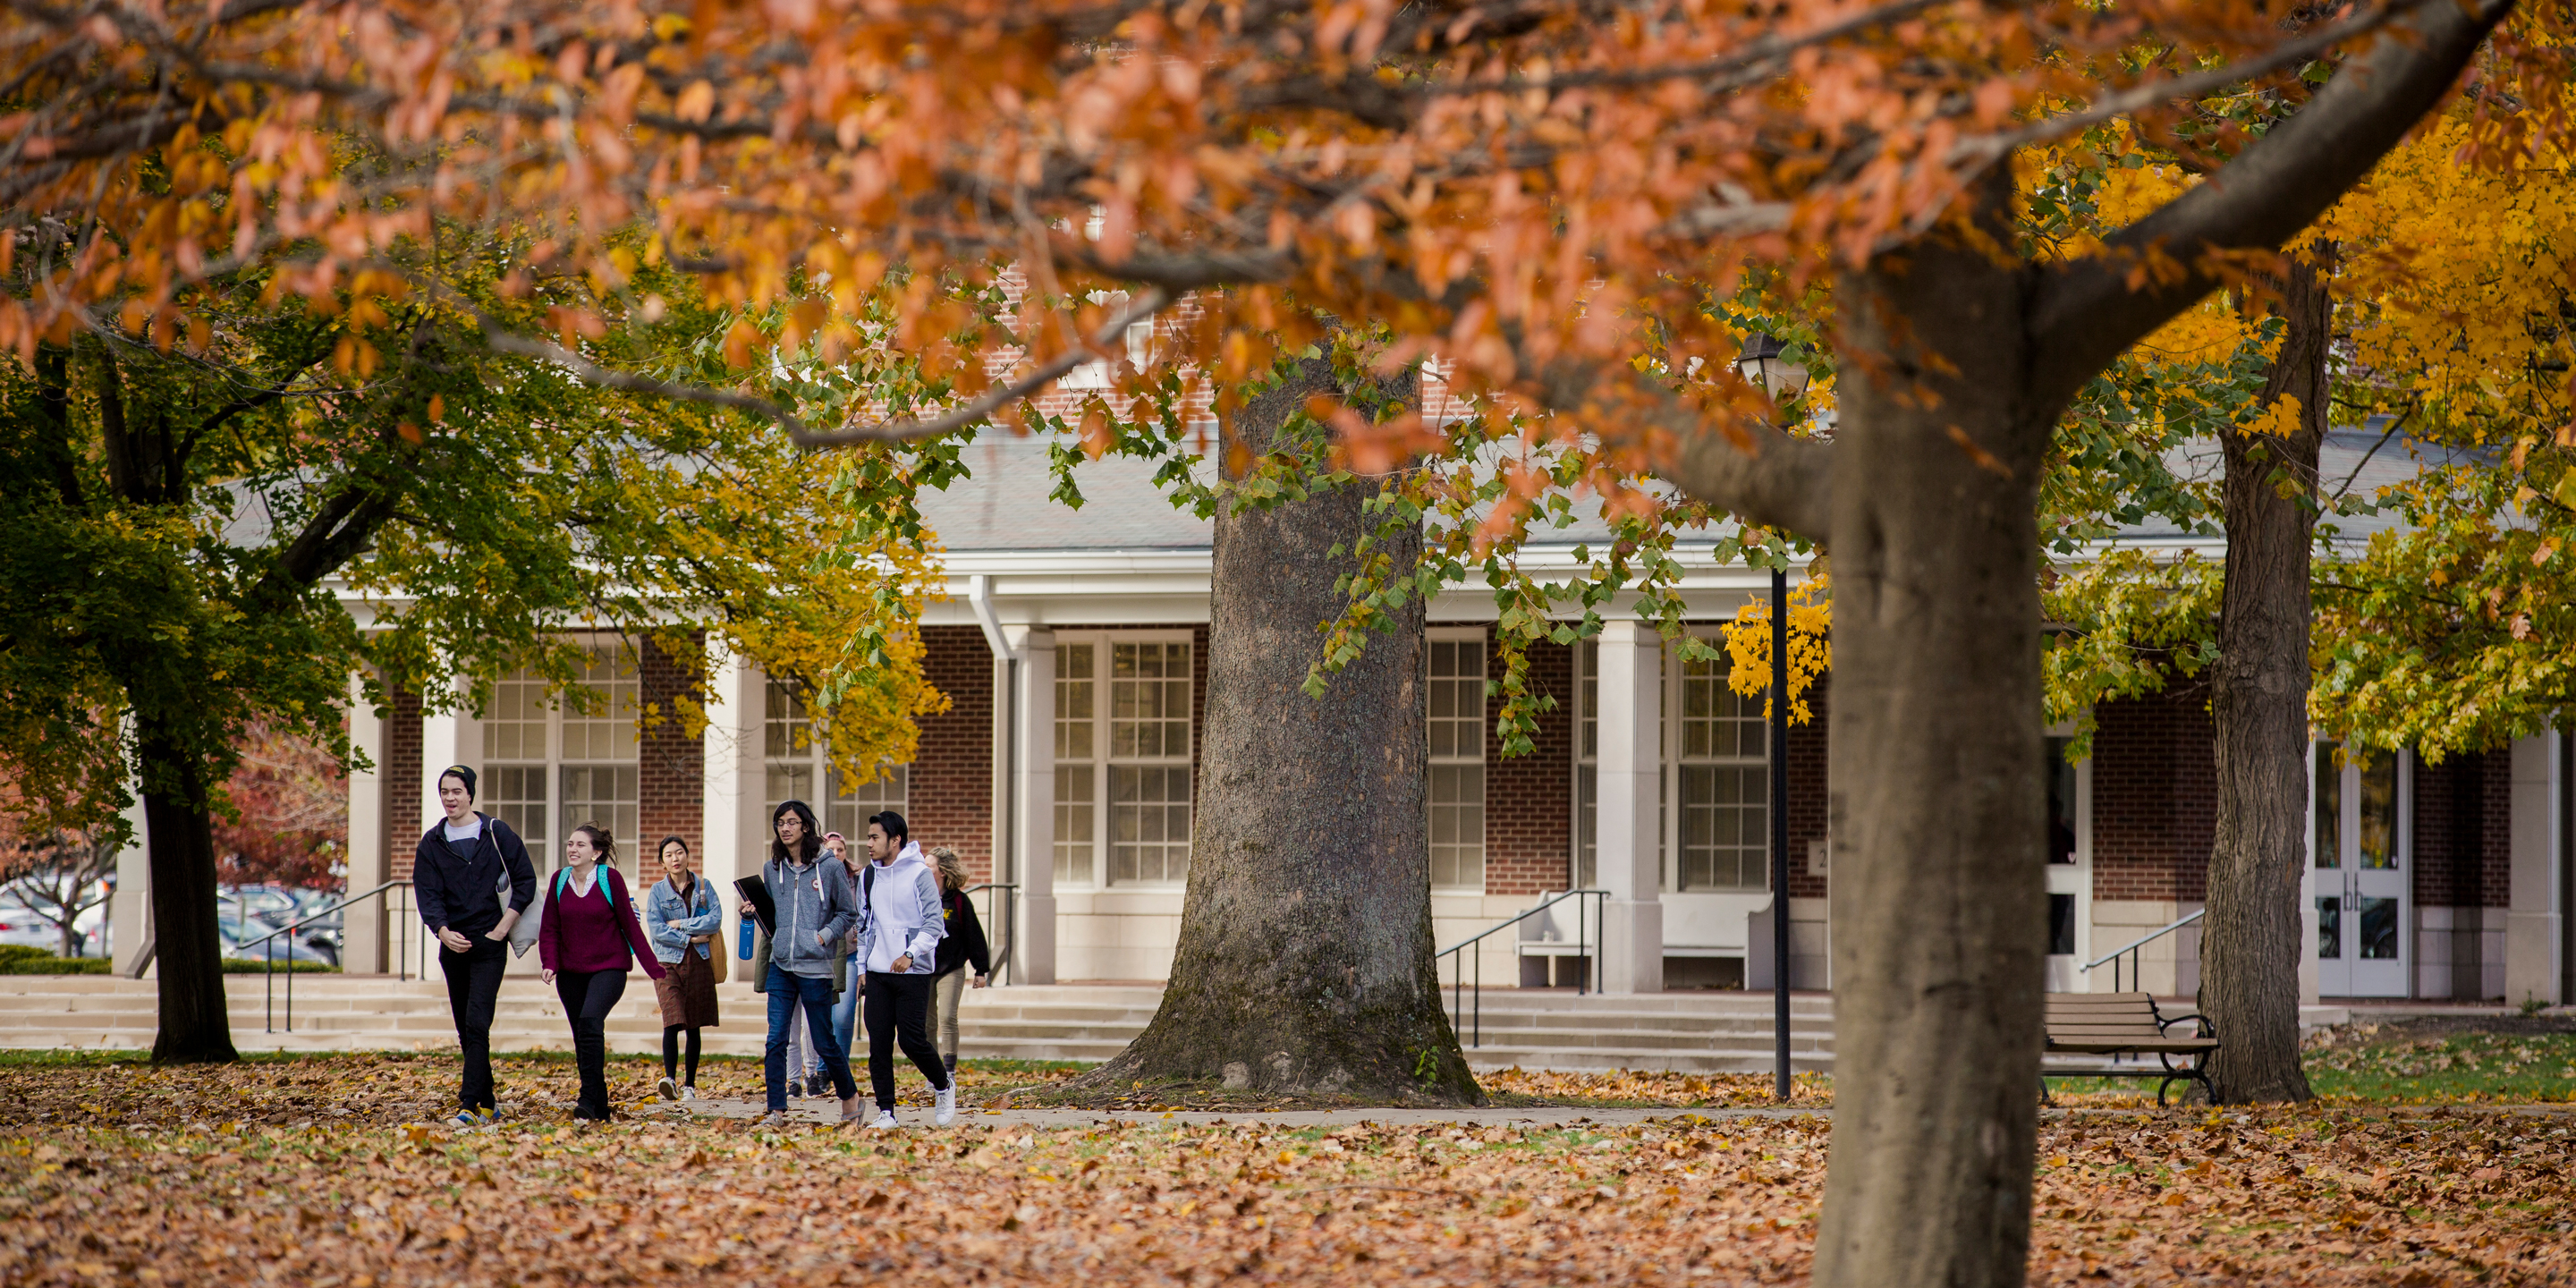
(888, 940)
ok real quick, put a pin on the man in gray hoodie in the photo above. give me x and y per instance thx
(900, 926)
(811, 898)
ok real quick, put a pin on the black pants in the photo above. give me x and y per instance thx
(588, 997)
(671, 1052)
(897, 1009)
(473, 985)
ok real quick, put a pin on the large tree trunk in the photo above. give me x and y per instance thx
(1939, 919)
(2249, 946)
(1305, 956)
(195, 1026)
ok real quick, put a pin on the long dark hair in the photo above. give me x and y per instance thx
(811, 845)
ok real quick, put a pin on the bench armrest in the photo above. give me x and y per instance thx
(2207, 1029)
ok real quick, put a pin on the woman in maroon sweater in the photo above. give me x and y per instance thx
(586, 939)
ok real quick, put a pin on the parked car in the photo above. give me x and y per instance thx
(20, 926)
(242, 939)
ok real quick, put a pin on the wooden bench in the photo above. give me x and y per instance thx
(2118, 1024)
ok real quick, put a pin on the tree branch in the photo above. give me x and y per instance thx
(2085, 312)
(1769, 478)
(1143, 307)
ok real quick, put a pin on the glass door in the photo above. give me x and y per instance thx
(2362, 888)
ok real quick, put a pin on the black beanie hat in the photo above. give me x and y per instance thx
(462, 773)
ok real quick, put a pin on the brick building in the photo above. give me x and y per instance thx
(1073, 648)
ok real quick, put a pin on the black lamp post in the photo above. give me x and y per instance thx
(1763, 364)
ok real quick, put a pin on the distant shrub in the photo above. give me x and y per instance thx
(23, 959)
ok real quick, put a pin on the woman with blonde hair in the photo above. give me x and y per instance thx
(587, 939)
(963, 944)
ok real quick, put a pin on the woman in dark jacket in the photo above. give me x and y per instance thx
(964, 943)
(587, 939)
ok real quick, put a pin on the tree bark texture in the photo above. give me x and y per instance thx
(2249, 947)
(1305, 956)
(196, 1026)
(1939, 911)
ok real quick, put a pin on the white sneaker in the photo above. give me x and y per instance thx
(667, 1089)
(688, 1093)
(947, 1105)
(884, 1121)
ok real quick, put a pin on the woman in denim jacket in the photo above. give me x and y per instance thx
(682, 917)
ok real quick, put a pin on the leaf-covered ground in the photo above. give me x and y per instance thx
(118, 1174)
(2282, 1198)
(2500, 1058)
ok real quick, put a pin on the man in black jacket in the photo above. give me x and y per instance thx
(464, 863)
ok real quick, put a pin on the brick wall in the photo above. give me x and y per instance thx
(2155, 798)
(1807, 789)
(1529, 800)
(2449, 831)
(402, 770)
(671, 766)
(949, 798)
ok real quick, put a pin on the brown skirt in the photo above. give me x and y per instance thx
(688, 992)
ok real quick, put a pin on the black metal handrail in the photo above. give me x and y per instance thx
(2131, 951)
(1009, 906)
(402, 957)
(1587, 939)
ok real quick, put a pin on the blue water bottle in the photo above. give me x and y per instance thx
(745, 951)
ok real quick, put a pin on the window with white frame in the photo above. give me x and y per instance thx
(1077, 784)
(1123, 791)
(799, 767)
(1457, 769)
(1725, 779)
(549, 768)
(1587, 762)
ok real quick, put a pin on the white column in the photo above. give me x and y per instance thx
(362, 947)
(449, 736)
(1630, 770)
(1033, 830)
(129, 911)
(2532, 939)
(2310, 991)
(734, 819)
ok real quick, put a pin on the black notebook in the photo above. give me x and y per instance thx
(755, 896)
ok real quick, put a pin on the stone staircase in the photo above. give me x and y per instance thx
(1698, 1032)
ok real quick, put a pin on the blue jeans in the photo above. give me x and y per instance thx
(845, 1013)
(787, 994)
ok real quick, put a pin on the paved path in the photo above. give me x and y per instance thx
(822, 1112)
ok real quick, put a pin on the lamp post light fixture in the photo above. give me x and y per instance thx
(1763, 364)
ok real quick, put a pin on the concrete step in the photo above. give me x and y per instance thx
(1535, 1028)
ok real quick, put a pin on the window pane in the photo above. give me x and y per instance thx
(606, 731)
(2329, 782)
(787, 728)
(850, 806)
(1587, 688)
(1587, 825)
(2061, 925)
(2061, 803)
(1149, 700)
(1073, 713)
(1717, 723)
(1149, 823)
(2378, 817)
(2379, 930)
(1725, 841)
(515, 727)
(788, 782)
(516, 795)
(1457, 700)
(1073, 821)
(605, 795)
(2329, 927)
(1458, 827)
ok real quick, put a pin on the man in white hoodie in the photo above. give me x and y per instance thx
(899, 931)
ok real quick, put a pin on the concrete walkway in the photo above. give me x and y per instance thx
(822, 1113)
